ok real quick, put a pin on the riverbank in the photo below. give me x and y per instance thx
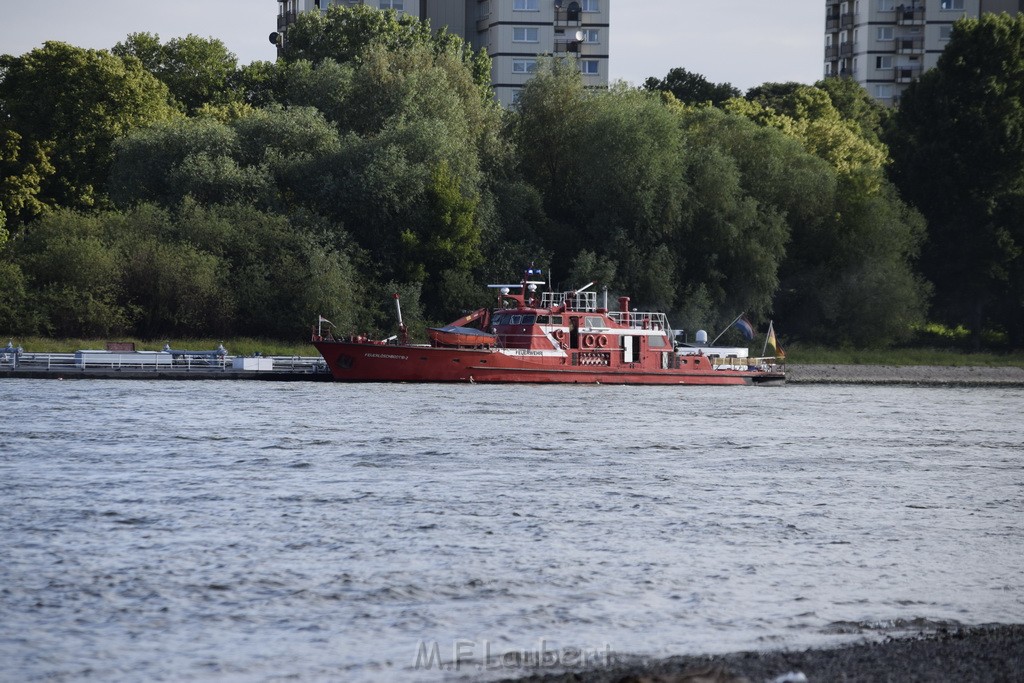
(982, 654)
(920, 375)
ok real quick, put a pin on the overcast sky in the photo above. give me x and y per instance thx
(742, 42)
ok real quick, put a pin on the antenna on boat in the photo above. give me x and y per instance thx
(727, 327)
(320, 325)
(403, 332)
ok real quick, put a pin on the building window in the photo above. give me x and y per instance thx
(524, 66)
(883, 62)
(883, 91)
(591, 35)
(945, 32)
(592, 6)
(397, 5)
(589, 67)
(885, 33)
(525, 34)
(526, 5)
(886, 5)
(952, 4)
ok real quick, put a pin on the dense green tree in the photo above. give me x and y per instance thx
(855, 103)
(958, 147)
(734, 242)
(72, 273)
(807, 114)
(196, 70)
(345, 33)
(836, 261)
(692, 88)
(187, 157)
(16, 313)
(23, 168)
(74, 104)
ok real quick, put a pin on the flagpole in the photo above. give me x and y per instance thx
(767, 337)
(727, 328)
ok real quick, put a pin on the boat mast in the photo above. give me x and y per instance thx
(403, 331)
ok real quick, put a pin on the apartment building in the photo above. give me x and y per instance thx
(514, 32)
(886, 44)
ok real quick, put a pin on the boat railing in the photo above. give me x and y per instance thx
(150, 361)
(641, 320)
(765, 363)
(577, 301)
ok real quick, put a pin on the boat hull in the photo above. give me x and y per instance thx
(369, 362)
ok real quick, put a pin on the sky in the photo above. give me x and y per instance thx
(742, 42)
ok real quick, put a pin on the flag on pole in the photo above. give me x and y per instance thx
(745, 328)
(773, 343)
(325, 320)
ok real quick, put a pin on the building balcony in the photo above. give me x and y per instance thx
(831, 53)
(905, 74)
(570, 15)
(909, 46)
(571, 46)
(832, 23)
(285, 20)
(483, 25)
(847, 49)
(910, 16)
(847, 20)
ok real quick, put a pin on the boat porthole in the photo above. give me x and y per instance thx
(602, 341)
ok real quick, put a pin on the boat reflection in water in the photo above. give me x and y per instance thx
(560, 337)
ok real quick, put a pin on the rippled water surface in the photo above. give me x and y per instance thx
(215, 530)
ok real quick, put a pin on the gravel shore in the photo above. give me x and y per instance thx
(982, 654)
(936, 375)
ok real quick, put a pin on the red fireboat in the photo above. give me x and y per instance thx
(562, 337)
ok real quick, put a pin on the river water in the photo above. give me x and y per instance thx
(262, 531)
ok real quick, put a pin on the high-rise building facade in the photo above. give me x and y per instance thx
(886, 44)
(514, 32)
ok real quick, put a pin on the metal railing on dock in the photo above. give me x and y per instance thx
(156, 362)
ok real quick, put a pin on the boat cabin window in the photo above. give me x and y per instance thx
(543, 320)
(529, 319)
(498, 319)
(656, 341)
(595, 322)
(557, 320)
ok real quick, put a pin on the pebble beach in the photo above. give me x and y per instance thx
(980, 654)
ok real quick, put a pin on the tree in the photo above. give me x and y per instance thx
(73, 275)
(958, 148)
(446, 239)
(23, 168)
(345, 33)
(807, 113)
(186, 157)
(850, 229)
(196, 70)
(692, 88)
(75, 104)
(855, 103)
